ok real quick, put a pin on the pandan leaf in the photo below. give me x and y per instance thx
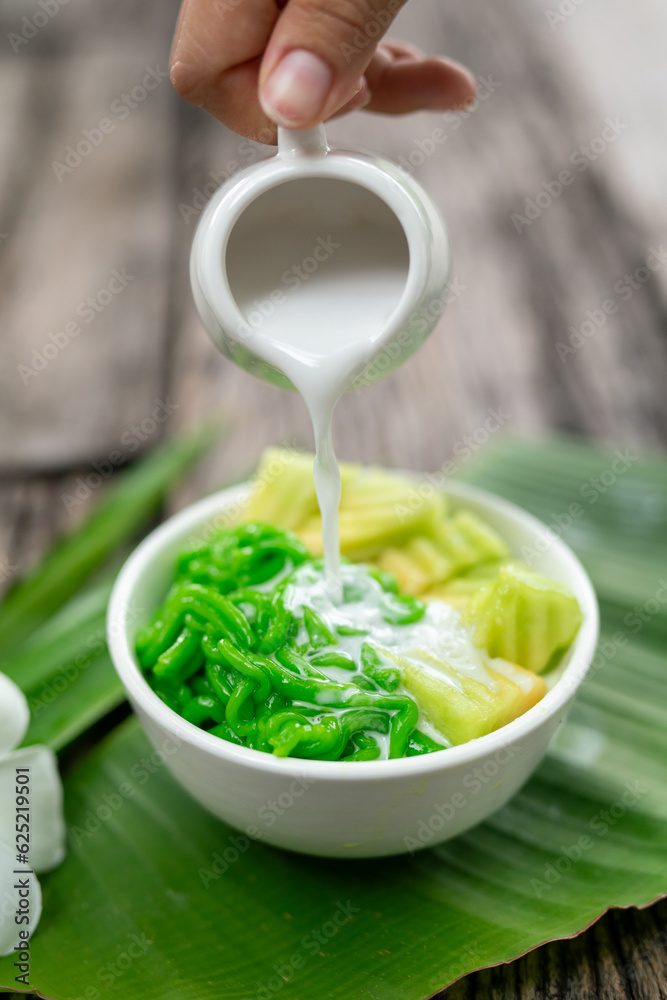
(125, 507)
(65, 671)
(76, 631)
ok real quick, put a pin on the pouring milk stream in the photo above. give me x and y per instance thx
(317, 269)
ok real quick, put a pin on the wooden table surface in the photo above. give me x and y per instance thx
(84, 363)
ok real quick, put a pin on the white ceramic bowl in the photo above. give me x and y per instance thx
(330, 808)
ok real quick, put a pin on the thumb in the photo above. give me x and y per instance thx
(317, 55)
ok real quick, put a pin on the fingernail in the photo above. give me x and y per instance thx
(297, 89)
(360, 98)
(361, 101)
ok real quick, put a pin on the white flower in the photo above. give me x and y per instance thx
(45, 821)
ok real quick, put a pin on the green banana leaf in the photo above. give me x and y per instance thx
(156, 899)
(65, 670)
(53, 622)
(126, 506)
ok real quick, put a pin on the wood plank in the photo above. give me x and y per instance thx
(565, 262)
(622, 957)
(31, 514)
(616, 54)
(105, 225)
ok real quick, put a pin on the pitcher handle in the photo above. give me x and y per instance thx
(302, 142)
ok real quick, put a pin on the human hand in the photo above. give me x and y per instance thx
(254, 64)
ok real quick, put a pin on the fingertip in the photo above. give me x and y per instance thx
(185, 82)
(462, 84)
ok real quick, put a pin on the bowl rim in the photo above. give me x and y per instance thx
(197, 514)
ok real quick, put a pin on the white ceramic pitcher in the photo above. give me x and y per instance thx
(319, 187)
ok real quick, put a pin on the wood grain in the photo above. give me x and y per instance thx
(134, 201)
(69, 238)
(622, 956)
